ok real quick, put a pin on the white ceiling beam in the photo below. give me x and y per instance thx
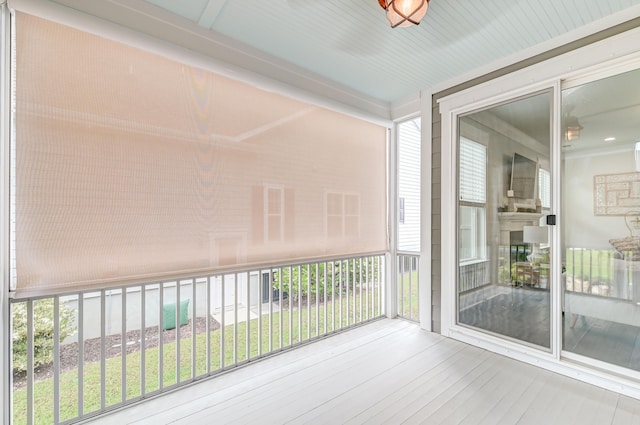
(211, 13)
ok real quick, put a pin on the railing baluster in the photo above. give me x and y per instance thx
(103, 363)
(270, 309)
(409, 275)
(308, 301)
(340, 293)
(235, 318)
(379, 287)
(80, 324)
(333, 296)
(248, 326)
(317, 286)
(417, 284)
(374, 273)
(290, 303)
(30, 362)
(56, 359)
(354, 281)
(347, 275)
(326, 283)
(207, 291)
(160, 335)
(353, 291)
(194, 316)
(400, 286)
(260, 297)
(178, 314)
(366, 299)
(223, 279)
(123, 345)
(582, 270)
(406, 279)
(281, 310)
(360, 319)
(299, 304)
(143, 340)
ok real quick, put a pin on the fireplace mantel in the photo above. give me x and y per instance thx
(518, 216)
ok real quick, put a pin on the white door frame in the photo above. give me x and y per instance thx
(610, 55)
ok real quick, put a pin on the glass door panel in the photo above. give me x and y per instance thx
(503, 195)
(601, 219)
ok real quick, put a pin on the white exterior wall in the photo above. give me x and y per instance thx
(113, 304)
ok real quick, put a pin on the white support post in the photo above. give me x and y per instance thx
(5, 205)
(391, 291)
(424, 284)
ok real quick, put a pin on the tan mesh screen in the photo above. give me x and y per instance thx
(131, 165)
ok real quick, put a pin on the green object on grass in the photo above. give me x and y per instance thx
(169, 315)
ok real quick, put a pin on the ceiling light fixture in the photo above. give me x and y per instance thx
(404, 13)
(572, 128)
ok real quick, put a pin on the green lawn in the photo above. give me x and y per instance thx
(590, 264)
(408, 296)
(295, 328)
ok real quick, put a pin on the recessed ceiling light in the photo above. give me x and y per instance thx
(609, 139)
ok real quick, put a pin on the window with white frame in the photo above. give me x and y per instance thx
(274, 213)
(342, 214)
(473, 198)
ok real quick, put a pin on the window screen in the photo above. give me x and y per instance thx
(130, 165)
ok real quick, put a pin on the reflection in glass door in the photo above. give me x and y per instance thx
(504, 194)
(601, 219)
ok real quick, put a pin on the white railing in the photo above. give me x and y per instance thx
(92, 351)
(407, 285)
(473, 275)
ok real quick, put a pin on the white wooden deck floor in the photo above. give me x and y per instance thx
(386, 372)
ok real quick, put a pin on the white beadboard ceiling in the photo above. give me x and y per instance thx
(350, 43)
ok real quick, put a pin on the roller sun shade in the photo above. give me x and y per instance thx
(129, 165)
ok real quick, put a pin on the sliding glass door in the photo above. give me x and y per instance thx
(601, 219)
(504, 176)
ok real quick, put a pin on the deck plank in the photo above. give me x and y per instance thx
(361, 402)
(322, 381)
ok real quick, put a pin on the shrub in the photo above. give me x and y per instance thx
(42, 332)
(295, 280)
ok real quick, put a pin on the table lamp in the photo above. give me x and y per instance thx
(535, 235)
